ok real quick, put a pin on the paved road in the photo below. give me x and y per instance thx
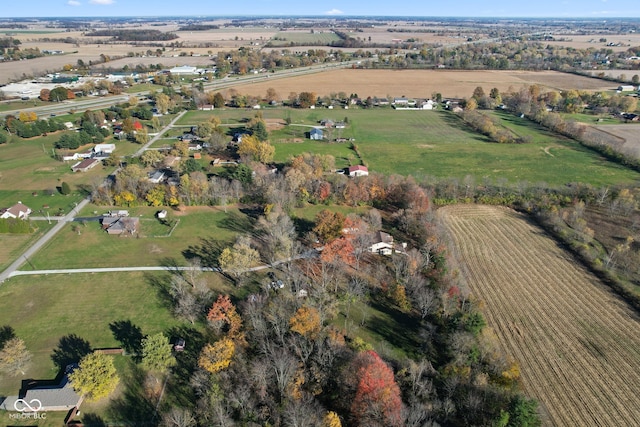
(159, 134)
(311, 253)
(106, 270)
(97, 103)
(41, 242)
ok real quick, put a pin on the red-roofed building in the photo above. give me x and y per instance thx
(137, 125)
(358, 170)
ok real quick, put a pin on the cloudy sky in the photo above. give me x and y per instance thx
(475, 8)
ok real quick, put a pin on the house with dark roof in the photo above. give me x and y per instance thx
(121, 225)
(382, 244)
(18, 210)
(85, 165)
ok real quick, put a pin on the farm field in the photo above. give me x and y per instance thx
(620, 42)
(284, 38)
(628, 134)
(577, 343)
(422, 83)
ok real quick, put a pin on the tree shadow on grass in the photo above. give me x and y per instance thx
(400, 331)
(179, 391)
(129, 335)
(237, 223)
(303, 226)
(133, 407)
(71, 348)
(162, 284)
(6, 333)
(92, 420)
(208, 251)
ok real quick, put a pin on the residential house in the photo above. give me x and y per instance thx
(18, 210)
(156, 177)
(382, 243)
(428, 105)
(188, 137)
(194, 146)
(60, 397)
(316, 134)
(358, 170)
(206, 107)
(85, 165)
(121, 225)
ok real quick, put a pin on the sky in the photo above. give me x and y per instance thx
(445, 8)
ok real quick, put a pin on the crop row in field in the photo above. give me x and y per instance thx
(578, 344)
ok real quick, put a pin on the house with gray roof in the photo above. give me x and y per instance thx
(60, 397)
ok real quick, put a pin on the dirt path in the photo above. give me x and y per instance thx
(578, 344)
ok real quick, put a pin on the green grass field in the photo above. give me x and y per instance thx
(12, 245)
(82, 245)
(142, 87)
(21, 105)
(29, 165)
(42, 309)
(436, 143)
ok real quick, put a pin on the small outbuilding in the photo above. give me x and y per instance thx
(85, 165)
(316, 134)
(358, 170)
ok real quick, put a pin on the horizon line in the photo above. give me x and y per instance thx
(324, 16)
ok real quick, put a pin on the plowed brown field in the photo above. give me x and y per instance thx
(578, 344)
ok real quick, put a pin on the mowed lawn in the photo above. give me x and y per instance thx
(12, 245)
(435, 143)
(85, 244)
(42, 309)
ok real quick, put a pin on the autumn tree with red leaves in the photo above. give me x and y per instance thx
(223, 317)
(338, 251)
(377, 401)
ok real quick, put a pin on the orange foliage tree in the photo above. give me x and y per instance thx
(338, 250)
(223, 316)
(306, 321)
(377, 400)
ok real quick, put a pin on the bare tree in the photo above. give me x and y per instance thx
(178, 417)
